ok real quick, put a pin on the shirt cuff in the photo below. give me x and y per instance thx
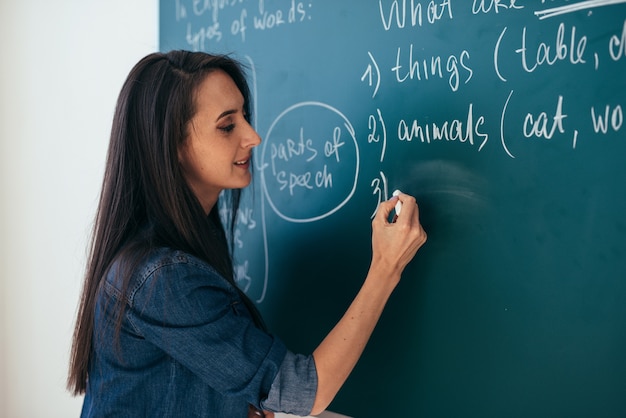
(294, 387)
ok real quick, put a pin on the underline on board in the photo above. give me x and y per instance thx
(583, 5)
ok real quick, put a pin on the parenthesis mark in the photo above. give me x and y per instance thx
(369, 73)
(506, 104)
(384, 128)
(385, 190)
(377, 74)
(597, 59)
(496, 52)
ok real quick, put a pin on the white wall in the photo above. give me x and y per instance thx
(62, 64)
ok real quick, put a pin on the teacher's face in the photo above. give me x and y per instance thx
(217, 152)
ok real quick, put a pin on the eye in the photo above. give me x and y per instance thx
(227, 128)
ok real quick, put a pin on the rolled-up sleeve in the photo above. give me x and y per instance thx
(294, 387)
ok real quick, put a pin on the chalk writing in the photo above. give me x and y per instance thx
(380, 189)
(433, 67)
(239, 19)
(377, 132)
(417, 12)
(617, 45)
(371, 72)
(494, 6)
(494, 93)
(582, 5)
(611, 118)
(573, 51)
(466, 131)
(299, 160)
(540, 126)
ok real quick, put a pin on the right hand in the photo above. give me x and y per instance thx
(255, 413)
(394, 244)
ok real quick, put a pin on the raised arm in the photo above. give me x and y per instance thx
(393, 246)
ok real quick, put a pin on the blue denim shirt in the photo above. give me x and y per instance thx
(188, 347)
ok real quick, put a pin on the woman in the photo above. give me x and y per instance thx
(162, 329)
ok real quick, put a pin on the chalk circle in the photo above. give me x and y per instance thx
(309, 162)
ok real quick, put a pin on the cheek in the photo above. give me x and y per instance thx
(190, 165)
(199, 164)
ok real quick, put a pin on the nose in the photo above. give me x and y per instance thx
(251, 138)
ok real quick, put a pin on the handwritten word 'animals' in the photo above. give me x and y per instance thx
(455, 130)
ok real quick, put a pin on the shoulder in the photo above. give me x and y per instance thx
(163, 267)
(167, 258)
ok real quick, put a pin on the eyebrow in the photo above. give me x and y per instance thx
(226, 113)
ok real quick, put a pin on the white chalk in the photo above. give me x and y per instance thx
(398, 204)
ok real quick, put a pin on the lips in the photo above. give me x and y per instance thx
(242, 162)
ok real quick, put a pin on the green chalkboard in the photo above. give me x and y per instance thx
(506, 120)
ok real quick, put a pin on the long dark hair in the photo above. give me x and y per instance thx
(145, 200)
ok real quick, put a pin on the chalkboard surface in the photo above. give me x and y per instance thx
(506, 120)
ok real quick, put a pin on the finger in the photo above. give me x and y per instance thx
(384, 209)
(409, 211)
(253, 412)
